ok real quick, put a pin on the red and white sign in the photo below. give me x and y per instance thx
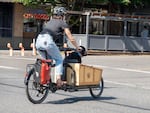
(36, 16)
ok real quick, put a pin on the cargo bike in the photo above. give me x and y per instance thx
(39, 79)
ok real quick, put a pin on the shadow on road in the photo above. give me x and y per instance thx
(77, 99)
(101, 99)
(126, 105)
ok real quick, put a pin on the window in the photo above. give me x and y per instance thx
(115, 28)
(6, 19)
(96, 27)
(30, 25)
(133, 29)
(77, 23)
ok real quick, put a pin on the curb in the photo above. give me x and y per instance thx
(16, 53)
(97, 52)
(89, 52)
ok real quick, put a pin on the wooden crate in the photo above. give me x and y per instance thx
(85, 75)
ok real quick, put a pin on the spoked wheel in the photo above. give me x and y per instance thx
(97, 91)
(36, 93)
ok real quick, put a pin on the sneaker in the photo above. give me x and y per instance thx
(60, 83)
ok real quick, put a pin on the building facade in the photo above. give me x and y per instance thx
(19, 24)
(11, 26)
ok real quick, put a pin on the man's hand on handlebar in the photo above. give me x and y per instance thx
(78, 49)
(81, 50)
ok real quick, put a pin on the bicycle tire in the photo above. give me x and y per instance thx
(97, 91)
(36, 93)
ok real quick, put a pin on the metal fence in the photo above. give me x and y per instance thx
(113, 43)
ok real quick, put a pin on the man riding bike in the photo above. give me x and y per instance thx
(55, 28)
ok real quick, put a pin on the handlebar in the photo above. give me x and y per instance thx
(81, 51)
(67, 49)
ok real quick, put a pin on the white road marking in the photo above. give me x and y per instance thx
(123, 69)
(7, 67)
(118, 83)
(127, 84)
(32, 59)
(19, 58)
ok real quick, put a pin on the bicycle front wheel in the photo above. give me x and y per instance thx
(97, 91)
(36, 93)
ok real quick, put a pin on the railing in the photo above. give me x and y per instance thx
(114, 43)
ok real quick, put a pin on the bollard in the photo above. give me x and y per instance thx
(21, 48)
(10, 49)
(33, 49)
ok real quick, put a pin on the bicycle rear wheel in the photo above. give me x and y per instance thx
(36, 93)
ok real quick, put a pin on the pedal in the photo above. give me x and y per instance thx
(64, 87)
(53, 88)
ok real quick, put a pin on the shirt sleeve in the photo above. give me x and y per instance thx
(64, 25)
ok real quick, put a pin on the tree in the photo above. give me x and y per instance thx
(114, 6)
(80, 4)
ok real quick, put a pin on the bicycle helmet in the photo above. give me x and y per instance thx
(59, 11)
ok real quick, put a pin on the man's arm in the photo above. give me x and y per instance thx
(71, 38)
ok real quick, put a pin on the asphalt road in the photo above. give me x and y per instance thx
(126, 80)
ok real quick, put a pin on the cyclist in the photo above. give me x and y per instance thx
(45, 40)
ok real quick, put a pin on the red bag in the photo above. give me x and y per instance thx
(45, 72)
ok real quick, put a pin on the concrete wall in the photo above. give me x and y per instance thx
(18, 25)
(17, 32)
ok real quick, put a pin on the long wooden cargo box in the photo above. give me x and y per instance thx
(84, 74)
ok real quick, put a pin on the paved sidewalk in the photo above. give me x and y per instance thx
(89, 52)
(16, 52)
